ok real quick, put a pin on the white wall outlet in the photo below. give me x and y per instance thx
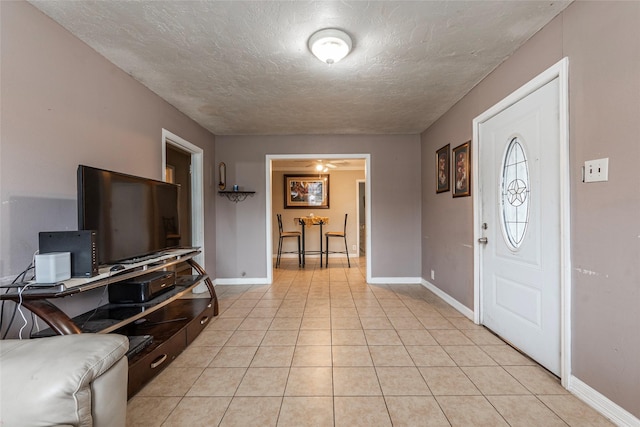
(353, 247)
(596, 170)
(433, 275)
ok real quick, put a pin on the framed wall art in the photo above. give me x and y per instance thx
(462, 170)
(442, 169)
(306, 190)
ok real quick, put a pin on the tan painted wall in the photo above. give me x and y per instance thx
(602, 42)
(395, 199)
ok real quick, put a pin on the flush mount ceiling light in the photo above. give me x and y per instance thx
(330, 45)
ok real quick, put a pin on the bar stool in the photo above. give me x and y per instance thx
(342, 234)
(283, 235)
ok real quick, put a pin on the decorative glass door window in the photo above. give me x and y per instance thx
(515, 194)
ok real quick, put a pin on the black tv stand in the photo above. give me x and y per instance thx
(171, 319)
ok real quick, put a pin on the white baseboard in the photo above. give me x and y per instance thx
(466, 311)
(242, 281)
(602, 404)
(201, 288)
(395, 280)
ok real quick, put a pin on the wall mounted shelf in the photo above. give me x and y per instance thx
(236, 196)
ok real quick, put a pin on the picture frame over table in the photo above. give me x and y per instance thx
(442, 169)
(304, 191)
(461, 162)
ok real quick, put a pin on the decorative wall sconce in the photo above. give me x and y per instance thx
(222, 176)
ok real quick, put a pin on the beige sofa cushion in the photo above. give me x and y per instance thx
(47, 381)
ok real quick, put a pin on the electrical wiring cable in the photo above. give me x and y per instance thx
(19, 307)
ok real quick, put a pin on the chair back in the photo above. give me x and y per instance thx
(279, 223)
(345, 224)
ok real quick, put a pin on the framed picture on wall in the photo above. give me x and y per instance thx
(442, 169)
(306, 190)
(462, 170)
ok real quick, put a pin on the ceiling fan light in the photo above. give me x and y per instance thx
(330, 45)
(318, 167)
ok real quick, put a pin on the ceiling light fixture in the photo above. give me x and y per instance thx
(330, 45)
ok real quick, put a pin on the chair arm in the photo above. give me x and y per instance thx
(48, 381)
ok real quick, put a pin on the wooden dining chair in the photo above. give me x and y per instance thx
(283, 235)
(342, 234)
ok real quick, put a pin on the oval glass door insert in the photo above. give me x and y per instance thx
(515, 194)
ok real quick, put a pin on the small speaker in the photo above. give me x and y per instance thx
(53, 267)
(81, 244)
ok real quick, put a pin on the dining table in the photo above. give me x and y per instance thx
(308, 222)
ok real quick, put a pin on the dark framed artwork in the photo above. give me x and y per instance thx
(306, 190)
(462, 170)
(442, 169)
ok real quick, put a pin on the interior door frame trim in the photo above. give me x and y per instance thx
(559, 70)
(358, 182)
(269, 158)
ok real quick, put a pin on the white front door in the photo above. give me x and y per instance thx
(519, 194)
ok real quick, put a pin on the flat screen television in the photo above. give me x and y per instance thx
(134, 217)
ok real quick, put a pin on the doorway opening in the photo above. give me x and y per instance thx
(184, 161)
(178, 171)
(342, 197)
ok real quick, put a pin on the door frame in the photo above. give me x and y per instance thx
(358, 195)
(269, 209)
(197, 190)
(559, 70)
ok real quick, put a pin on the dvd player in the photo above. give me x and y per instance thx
(142, 288)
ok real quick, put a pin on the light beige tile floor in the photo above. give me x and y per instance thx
(320, 347)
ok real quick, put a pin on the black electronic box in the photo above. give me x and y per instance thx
(142, 288)
(81, 244)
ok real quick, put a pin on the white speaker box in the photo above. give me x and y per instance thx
(53, 267)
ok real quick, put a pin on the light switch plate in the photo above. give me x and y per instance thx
(596, 170)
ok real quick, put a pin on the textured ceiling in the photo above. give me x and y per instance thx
(240, 67)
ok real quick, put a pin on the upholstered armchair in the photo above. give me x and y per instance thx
(70, 380)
